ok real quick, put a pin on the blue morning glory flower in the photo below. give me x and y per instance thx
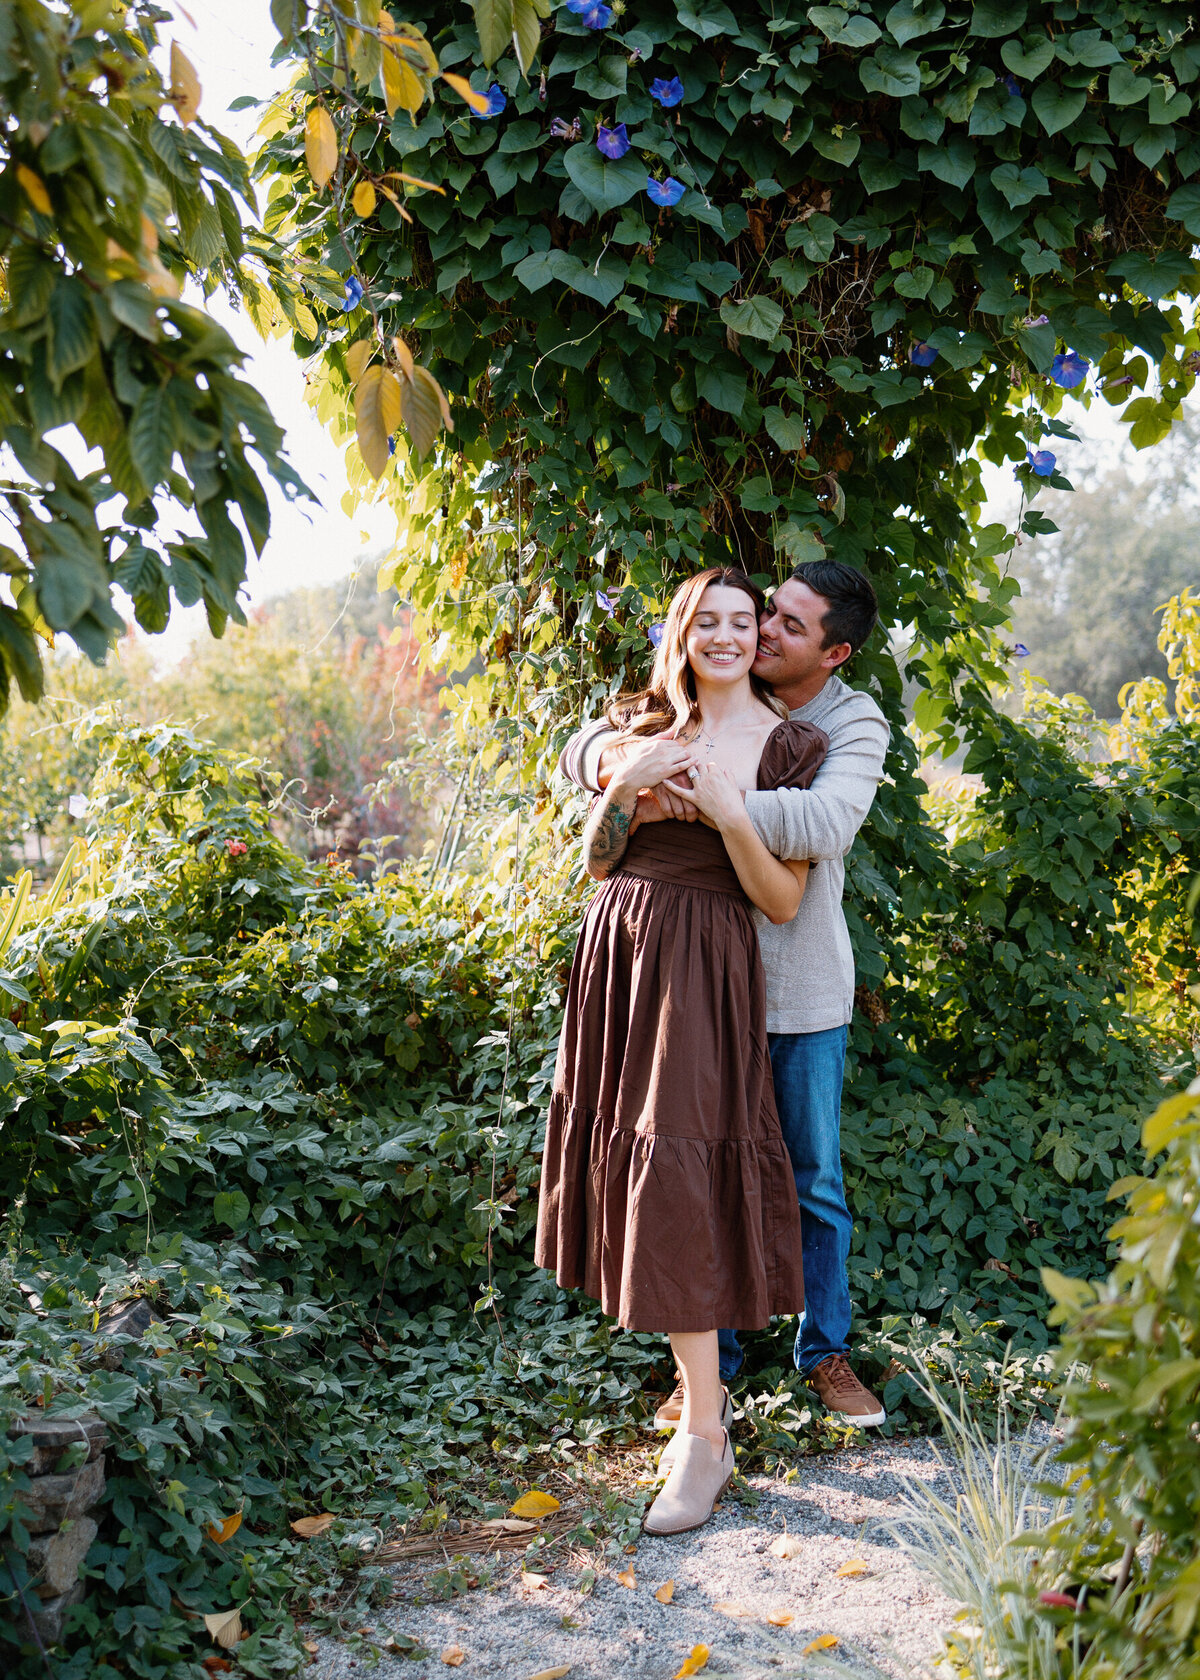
(591, 13)
(1069, 369)
(1014, 87)
(354, 293)
(666, 192)
(655, 634)
(605, 602)
(1041, 460)
(1020, 651)
(922, 355)
(613, 142)
(497, 99)
(667, 93)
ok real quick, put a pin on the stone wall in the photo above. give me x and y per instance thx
(59, 1501)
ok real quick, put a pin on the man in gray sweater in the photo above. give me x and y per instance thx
(813, 623)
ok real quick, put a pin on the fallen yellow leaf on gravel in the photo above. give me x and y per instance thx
(306, 1527)
(551, 1673)
(787, 1546)
(823, 1642)
(694, 1663)
(532, 1580)
(730, 1607)
(311, 1646)
(855, 1566)
(454, 1656)
(627, 1579)
(666, 1592)
(780, 1618)
(535, 1503)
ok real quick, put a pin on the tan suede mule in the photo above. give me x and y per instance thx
(697, 1480)
(667, 1456)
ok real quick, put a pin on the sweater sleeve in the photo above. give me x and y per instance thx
(579, 760)
(821, 821)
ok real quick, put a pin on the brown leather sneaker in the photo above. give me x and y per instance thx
(841, 1392)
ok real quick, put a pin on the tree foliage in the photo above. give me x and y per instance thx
(113, 192)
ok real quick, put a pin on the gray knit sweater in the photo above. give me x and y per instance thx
(808, 962)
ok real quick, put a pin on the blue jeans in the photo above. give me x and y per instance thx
(808, 1070)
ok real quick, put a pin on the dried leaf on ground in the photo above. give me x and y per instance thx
(311, 1646)
(823, 1642)
(780, 1617)
(787, 1546)
(454, 1656)
(535, 1503)
(307, 1527)
(731, 1607)
(509, 1525)
(222, 1531)
(855, 1566)
(225, 1627)
(217, 1665)
(627, 1579)
(694, 1663)
(530, 1579)
(666, 1592)
(551, 1673)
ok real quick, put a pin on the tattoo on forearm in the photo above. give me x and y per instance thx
(606, 838)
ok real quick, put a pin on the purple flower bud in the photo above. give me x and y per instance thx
(612, 142)
(655, 634)
(354, 293)
(497, 99)
(922, 355)
(1036, 321)
(1041, 460)
(561, 130)
(1069, 369)
(1020, 651)
(667, 93)
(666, 192)
(1014, 87)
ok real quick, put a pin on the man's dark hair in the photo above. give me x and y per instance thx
(853, 610)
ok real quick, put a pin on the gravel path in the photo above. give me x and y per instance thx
(510, 1630)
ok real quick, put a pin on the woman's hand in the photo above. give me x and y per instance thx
(715, 794)
(649, 759)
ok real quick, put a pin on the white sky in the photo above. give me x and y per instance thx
(230, 42)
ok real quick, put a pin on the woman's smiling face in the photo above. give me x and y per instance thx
(722, 638)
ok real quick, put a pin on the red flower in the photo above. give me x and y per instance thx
(1057, 1598)
(236, 848)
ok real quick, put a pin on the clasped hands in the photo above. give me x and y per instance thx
(672, 780)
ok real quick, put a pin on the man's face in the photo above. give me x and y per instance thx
(790, 637)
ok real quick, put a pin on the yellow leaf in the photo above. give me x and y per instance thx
(422, 403)
(535, 1503)
(1164, 1122)
(551, 1673)
(394, 202)
(185, 85)
(627, 1579)
(225, 1628)
(823, 1642)
(320, 145)
(787, 1546)
(454, 1656)
(477, 101)
(530, 1579)
(780, 1617)
(694, 1663)
(222, 1531)
(149, 235)
(415, 181)
(364, 199)
(376, 416)
(311, 1646)
(855, 1566)
(35, 190)
(731, 1607)
(666, 1592)
(402, 86)
(307, 1527)
(404, 358)
(357, 358)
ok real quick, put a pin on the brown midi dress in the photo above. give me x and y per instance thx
(667, 1193)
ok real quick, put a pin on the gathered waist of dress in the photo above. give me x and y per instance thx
(683, 854)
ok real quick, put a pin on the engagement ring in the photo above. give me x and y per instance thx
(693, 774)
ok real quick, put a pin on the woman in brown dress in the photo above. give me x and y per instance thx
(667, 1193)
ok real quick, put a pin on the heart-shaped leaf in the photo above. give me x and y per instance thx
(535, 1503)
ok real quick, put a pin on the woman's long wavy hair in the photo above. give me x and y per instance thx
(670, 700)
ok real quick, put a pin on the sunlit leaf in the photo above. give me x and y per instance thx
(855, 1566)
(376, 415)
(403, 88)
(185, 85)
(823, 1642)
(535, 1503)
(35, 190)
(364, 199)
(225, 1627)
(694, 1663)
(357, 358)
(627, 1579)
(320, 145)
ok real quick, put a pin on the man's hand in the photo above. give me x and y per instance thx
(672, 804)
